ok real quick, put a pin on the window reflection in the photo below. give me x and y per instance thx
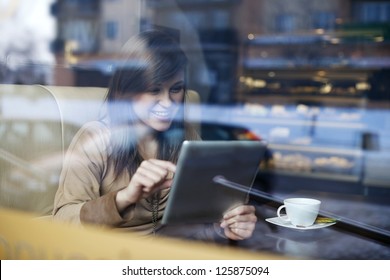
(315, 87)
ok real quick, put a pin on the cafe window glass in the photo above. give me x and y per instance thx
(373, 11)
(309, 78)
(111, 30)
(324, 20)
(285, 23)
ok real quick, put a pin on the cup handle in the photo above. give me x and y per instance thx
(278, 212)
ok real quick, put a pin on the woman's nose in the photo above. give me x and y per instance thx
(165, 99)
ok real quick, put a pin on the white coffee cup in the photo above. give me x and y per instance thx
(300, 211)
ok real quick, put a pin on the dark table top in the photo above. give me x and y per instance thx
(361, 233)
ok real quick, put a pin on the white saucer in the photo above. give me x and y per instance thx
(284, 222)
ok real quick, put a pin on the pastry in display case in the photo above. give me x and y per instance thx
(333, 164)
(306, 161)
(291, 162)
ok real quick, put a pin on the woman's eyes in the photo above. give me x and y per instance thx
(176, 89)
(155, 91)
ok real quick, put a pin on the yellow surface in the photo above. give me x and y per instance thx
(28, 238)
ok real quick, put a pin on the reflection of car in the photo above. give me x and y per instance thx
(97, 73)
(222, 131)
(30, 173)
(219, 131)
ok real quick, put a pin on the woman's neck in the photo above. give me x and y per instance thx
(148, 147)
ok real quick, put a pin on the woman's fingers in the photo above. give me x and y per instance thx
(239, 223)
(152, 174)
(163, 163)
(157, 170)
(242, 213)
(238, 233)
(239, 210)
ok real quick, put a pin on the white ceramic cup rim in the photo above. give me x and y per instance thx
(302, 200)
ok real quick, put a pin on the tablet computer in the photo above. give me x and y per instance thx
(195, 196)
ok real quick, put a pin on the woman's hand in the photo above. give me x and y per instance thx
(152, 175)
(239, 223)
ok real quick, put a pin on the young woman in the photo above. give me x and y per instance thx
(117, 171)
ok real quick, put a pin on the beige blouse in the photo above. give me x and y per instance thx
(88, 185)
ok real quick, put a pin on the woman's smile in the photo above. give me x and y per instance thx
(160, 118)
(163, 115)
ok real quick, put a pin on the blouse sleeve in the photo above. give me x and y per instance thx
(78, 199)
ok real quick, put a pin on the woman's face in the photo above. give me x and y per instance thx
(158, 106)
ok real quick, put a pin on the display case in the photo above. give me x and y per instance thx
(316, 162)
(326, 147)
(316, 110)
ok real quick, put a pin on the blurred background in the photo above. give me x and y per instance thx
(310, 77)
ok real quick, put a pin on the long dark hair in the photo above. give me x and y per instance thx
(152, 57)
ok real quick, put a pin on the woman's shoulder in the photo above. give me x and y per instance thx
(89, 147)
(94, 127)
(93, 131)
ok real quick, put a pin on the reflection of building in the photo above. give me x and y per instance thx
(101, 27)
(27, 30)
(301, 49)
(78, 22)
(119, 20)
(250, 39)
(97, 26)
(213, 21)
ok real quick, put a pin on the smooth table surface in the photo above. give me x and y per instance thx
(338, 241)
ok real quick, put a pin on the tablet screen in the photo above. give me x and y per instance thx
(195, 197)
